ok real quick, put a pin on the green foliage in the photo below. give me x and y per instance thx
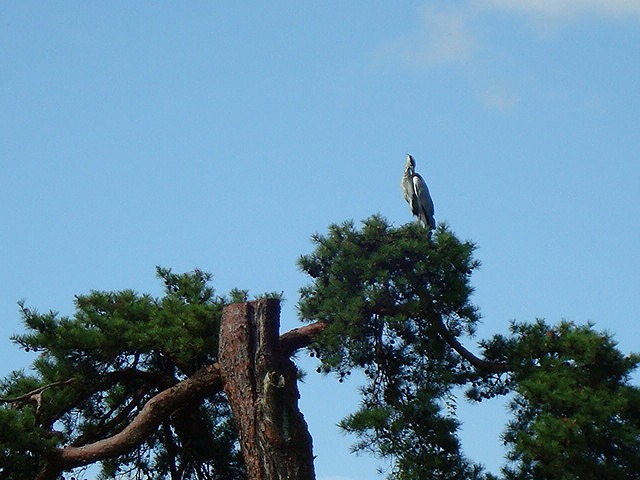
(575, 414)
(388, 294)
(396, 302)
(380, 289)
(380, 281)
(121, 349)
(237, 295)
(22, 441)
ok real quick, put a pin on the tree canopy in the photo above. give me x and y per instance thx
(394, 303)
(118, 351)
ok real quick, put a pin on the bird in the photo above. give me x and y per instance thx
(416, 193)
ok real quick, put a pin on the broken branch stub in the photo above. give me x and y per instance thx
(261, 386)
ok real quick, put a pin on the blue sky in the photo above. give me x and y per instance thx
(219, 136)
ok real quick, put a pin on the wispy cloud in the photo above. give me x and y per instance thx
(452, 35)
(447, 35)
(548, 17)
(442, 39)
(566, 9)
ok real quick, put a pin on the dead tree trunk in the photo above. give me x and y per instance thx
(261, 385)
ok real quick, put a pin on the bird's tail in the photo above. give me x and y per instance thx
(426, 221)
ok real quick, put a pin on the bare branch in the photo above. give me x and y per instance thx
(300, 337)
(109, 423)
(478, 363)
(36, 395)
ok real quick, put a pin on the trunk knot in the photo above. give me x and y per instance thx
(273, 379)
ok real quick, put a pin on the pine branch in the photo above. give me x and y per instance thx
(203, 382)
(450, 338)
(35, 396)
(300, 337)
(478, 363)
(157, 409)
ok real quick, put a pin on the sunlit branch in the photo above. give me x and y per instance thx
(201, 384)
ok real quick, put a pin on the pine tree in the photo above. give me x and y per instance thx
(97, 370)
(154, 387)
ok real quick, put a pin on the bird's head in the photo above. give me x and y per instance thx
(410, 161)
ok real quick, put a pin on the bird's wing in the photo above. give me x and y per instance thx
(425, 203)
(407, 188)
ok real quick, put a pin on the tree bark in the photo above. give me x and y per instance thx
(260, 382)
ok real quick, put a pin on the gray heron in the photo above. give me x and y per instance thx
(416, 193)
